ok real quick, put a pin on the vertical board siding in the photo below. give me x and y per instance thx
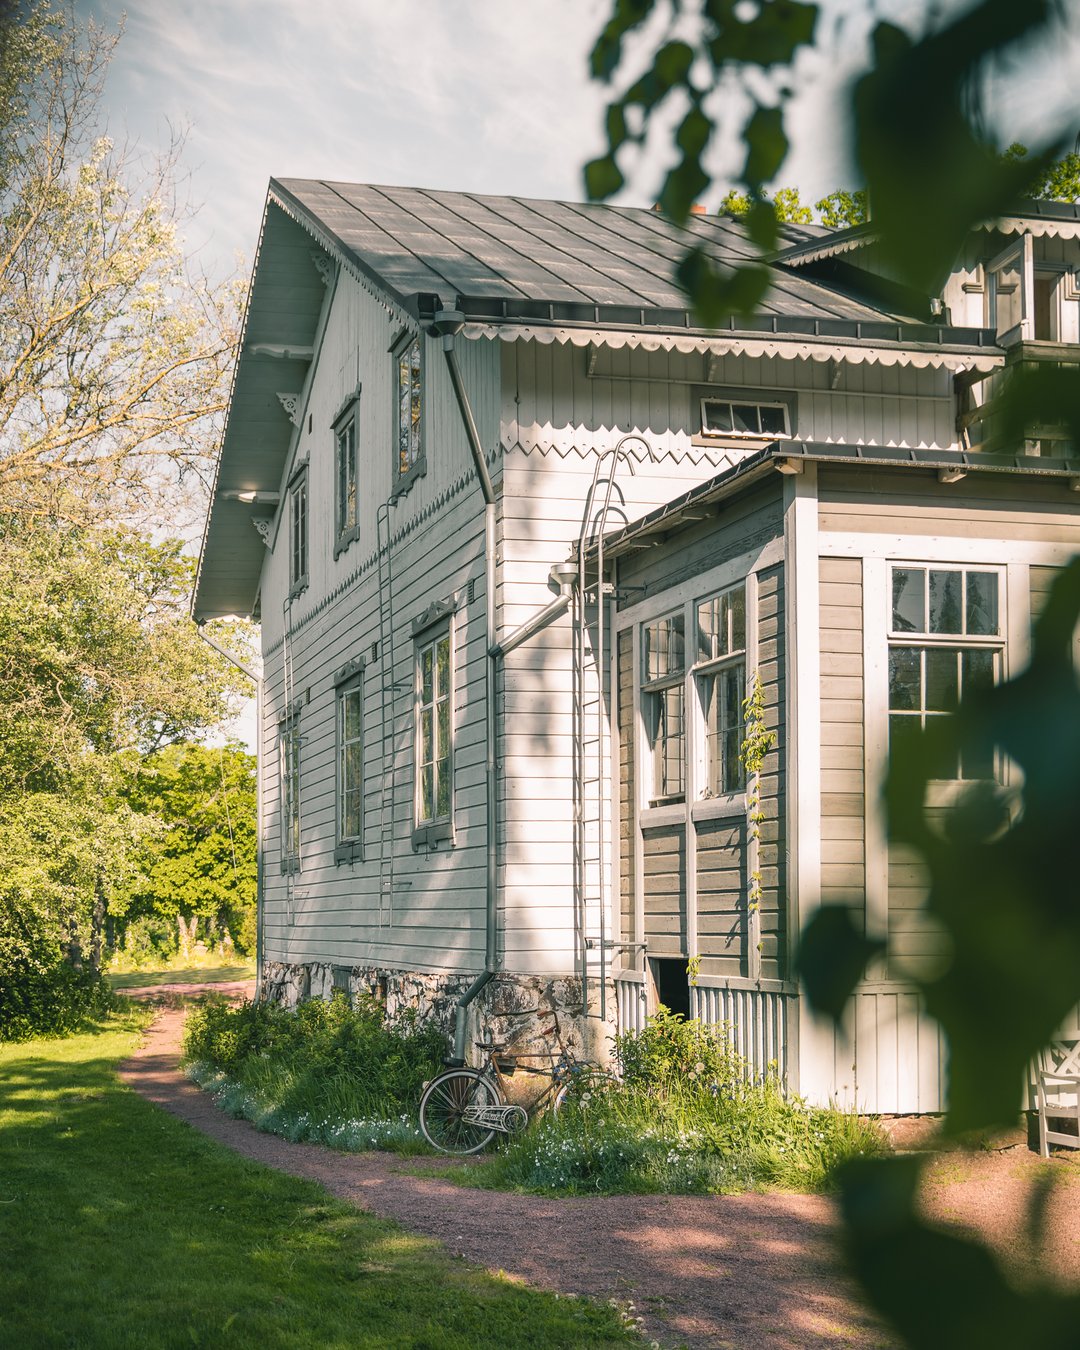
(892, 1058)
(665, 890)
(630, 1000)
(843, 801)
(756, 1021)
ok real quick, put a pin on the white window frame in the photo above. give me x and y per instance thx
(733, 401)
(1018, 253)
(406, 472)
(924, 640)
(708, 670)
(654, 710)
(432, 827)
(349, 685)
(289, 746)
(299, 523)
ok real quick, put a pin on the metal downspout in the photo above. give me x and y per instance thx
(447, 323)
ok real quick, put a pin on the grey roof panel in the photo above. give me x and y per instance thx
(452, 243)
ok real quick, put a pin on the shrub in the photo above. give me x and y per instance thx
(326, 1071)
(42, 993)
(686, 1117)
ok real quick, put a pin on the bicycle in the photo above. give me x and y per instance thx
(462, 1109)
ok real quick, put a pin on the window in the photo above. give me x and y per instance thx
(289, 760)
(298, 533)
(944, 641)
(408, 362)
(434, 737)
(663, 706)
(720, 675)
(1009, 295)
(731, 417)
(350, 768)
(347, 523)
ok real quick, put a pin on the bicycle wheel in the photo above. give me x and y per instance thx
(443, 1106)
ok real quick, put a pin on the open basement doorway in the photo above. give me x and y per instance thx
(671, 984)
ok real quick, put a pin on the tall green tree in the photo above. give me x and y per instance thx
(198, 871)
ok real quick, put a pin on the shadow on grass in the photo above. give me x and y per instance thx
(145, 979)
(122, 1227)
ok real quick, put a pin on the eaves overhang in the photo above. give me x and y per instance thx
(789, 457)
(276, 350)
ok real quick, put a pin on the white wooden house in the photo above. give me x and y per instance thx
(450, 413)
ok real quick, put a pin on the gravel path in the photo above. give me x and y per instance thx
(749, 1272)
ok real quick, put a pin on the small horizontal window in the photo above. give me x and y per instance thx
(724, 417)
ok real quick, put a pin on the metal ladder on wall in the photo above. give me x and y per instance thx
(386, 705)
(287, 761)
(591, 730)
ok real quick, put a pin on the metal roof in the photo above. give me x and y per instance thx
(684, 510)
(515, 251)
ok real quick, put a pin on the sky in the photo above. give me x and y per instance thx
(469, 95)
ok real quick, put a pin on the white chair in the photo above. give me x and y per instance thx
(1057, 1090)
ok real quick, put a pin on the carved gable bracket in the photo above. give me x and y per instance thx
(326, 267)
(291, 404)
(264, 524)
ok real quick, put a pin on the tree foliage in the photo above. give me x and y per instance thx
(114, 350)
(114, 361)
(200, 865)
(1002, 868)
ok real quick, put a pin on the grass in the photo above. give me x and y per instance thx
(183, 974)
(678, 1141)
(123, 1228)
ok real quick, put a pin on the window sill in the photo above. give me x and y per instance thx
(663, 814)
(715, 808)
(406, 480)
(290, 866)
(343, 541)
(432, 833)
(298, 589)
(352, 851)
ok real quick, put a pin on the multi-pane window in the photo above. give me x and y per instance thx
(408, 359)
(347, 504)
(720, 674)
(728, 417)
(663, 705)
(434, 703)
(298, 532)
(350, 742)
(945, 640)
(289, 760)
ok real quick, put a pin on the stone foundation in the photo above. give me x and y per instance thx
(529, 1014)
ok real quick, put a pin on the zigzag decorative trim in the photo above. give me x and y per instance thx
(695, 454)
(409, 527)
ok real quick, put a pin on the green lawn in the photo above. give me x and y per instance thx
(201, 974)
(122, 1227)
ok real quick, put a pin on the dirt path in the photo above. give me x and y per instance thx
(749, 1272)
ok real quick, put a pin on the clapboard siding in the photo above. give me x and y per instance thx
(843, 808)
(746, 523)
(626, 794)
(664, 890)
(772, 850)
(722, 919)
(981, 506)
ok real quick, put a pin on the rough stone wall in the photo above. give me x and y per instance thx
(533, 1016)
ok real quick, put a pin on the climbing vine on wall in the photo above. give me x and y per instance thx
(757, 743)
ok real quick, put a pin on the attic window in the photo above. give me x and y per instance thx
(728, 417)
